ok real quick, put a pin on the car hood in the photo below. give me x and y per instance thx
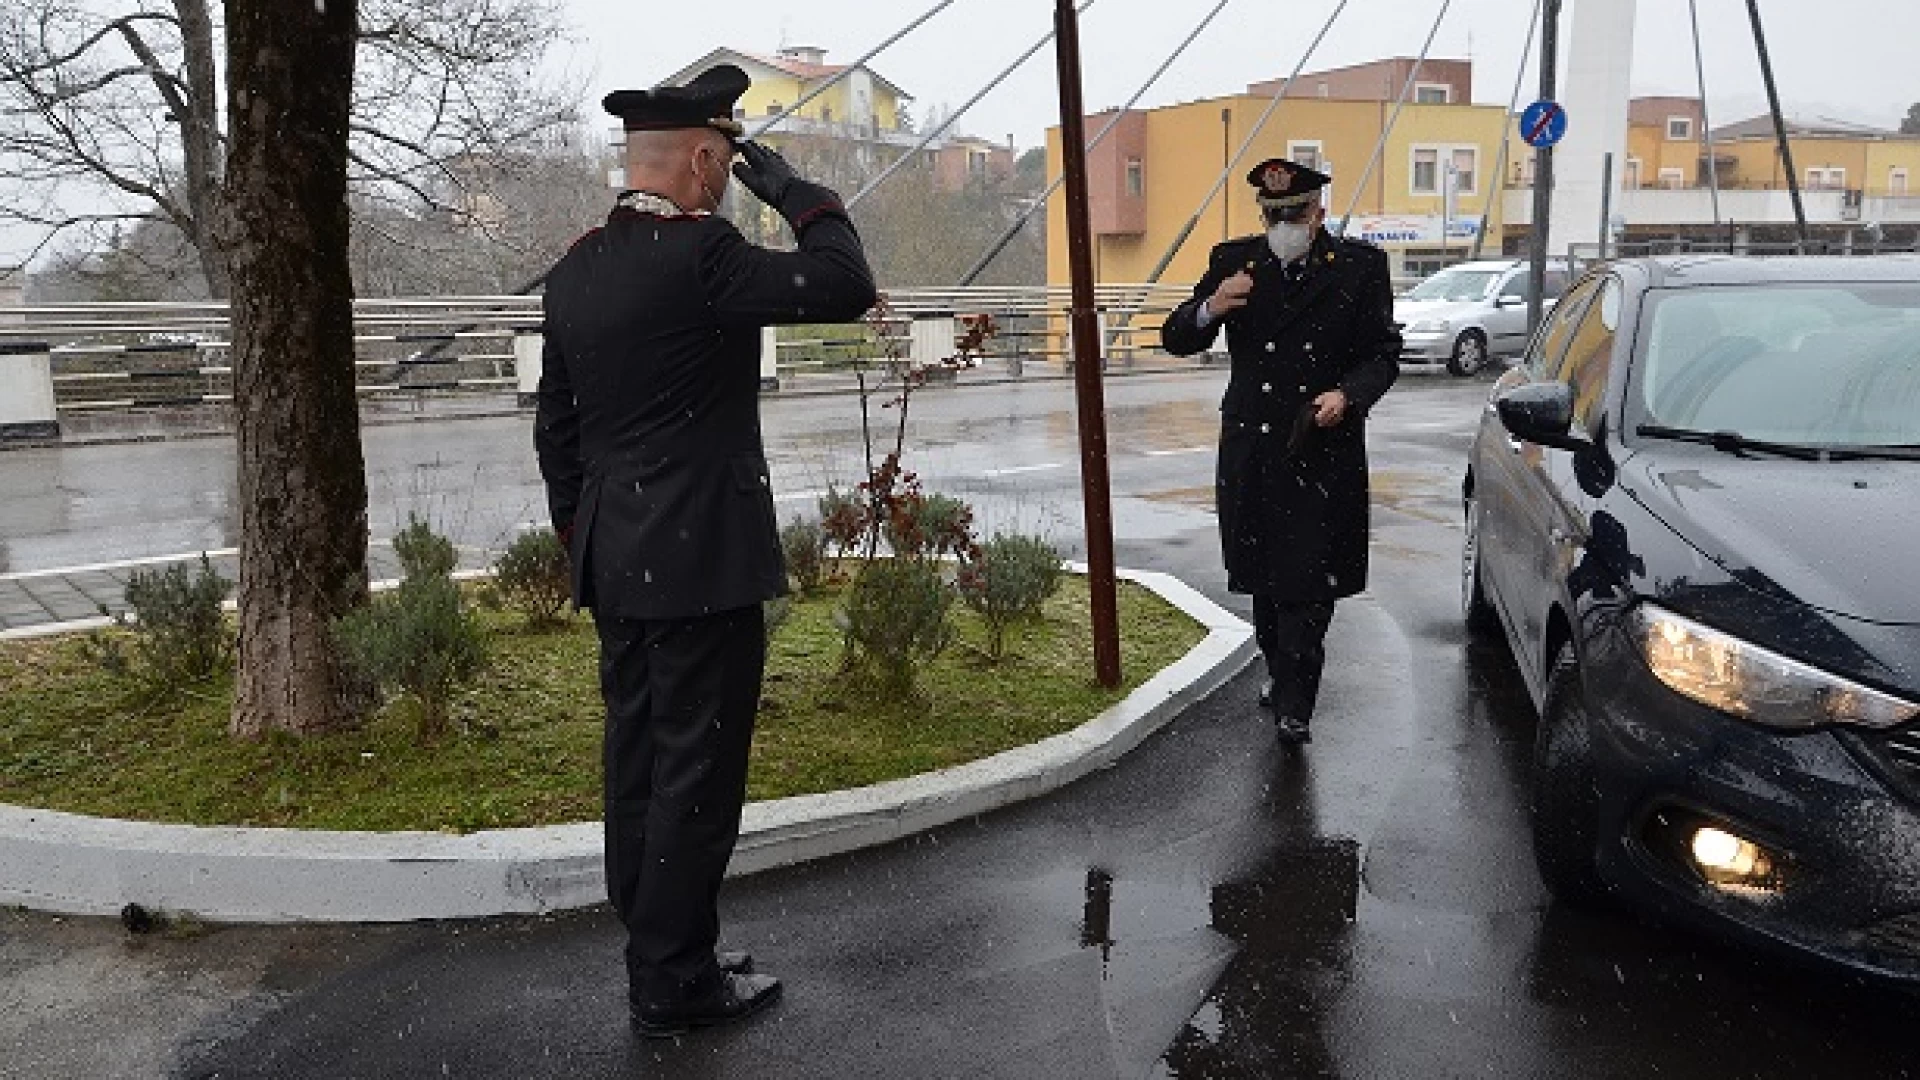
(1409, 312)
(1828, 535)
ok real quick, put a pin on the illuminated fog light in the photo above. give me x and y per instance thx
(1730, 862)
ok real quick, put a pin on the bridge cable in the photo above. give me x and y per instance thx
(1498, 186)
(1040, 201)
(940, 128)
(1219, 183)
(808, 97)
(942, 5)
(1706, 118)
(1380, 148)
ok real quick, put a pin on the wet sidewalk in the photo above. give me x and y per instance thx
(81, 597)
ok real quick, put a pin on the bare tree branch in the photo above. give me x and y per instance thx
(442, 90)
(117, 25)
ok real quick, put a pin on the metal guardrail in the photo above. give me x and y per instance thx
(129, 356)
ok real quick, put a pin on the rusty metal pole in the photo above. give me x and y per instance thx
(1089, 394)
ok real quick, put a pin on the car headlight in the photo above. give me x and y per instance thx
(1741, 678)
(1428, 326)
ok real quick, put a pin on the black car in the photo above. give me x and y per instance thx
(1694, 511)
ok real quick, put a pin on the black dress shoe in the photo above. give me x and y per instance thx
(1292, 732)
(738, 997)
(734, 963)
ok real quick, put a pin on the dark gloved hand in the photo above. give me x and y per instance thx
(764, 172)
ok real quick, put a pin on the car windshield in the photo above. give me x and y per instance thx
(1819, 365)
(1456, 285)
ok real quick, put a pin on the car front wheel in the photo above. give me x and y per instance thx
(1566, 802)
(1469, 354)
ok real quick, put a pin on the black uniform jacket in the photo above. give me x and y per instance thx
(648, 422)
(1292, 497)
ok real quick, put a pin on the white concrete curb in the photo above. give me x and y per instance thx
(70, 863)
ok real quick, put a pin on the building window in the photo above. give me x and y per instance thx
(1630, 180)
(1306, 154)
(1679, 128)
(1673, 179)
(1323, 89)
(1897, 182)
(976, 163)
(1466, 170)
(1432, 94)
(1826, 179)
(1426, 171)
(826, 114)
(773, 107)
(1438, 169)
(1136, 178)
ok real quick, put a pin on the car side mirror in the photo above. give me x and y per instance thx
(1540, 413)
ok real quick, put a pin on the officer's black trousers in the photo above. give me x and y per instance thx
(1292, 638)
(681, 696)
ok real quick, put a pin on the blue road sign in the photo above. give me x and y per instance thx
(1544, 123)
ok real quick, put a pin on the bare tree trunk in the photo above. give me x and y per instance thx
(200, 140)
(303, 493)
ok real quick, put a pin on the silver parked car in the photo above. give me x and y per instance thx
(1470, 312)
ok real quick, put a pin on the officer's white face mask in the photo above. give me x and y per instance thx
(1289, 239)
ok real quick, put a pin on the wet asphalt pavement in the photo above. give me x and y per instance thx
(1213, 906)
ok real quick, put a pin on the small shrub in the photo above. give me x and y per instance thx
(895, 618)
(805, 546)
(418, 639)
(929, 525)
(179, 634)
(535, 577)
(1007, 580)
(422, 552)
(843, 517)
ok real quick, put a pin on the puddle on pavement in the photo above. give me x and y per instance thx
(1292, 919)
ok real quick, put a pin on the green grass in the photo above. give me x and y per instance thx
(527, 745)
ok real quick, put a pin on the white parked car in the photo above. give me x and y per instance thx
(1470, 312)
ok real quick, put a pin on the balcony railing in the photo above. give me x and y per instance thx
(1751, 205)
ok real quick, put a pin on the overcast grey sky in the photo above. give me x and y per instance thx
(1854, 57)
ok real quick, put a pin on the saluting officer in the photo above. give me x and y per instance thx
(1310, 329)
(648, 435)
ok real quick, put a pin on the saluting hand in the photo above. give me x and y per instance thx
(1231, 294)
(764, 172)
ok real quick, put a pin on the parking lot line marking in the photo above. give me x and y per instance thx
(1013, 470)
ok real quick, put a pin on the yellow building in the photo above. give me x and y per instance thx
(1860, 186)
(861, 106)
(1148, 177)
(1830, 155)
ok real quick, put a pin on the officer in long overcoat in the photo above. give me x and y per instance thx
(1309, 321)
(648, 436)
